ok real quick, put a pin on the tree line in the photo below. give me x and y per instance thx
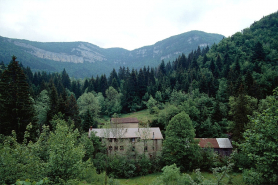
(224, 89)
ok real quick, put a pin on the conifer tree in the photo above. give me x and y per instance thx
(72, 111)
(54, 103)
(88, 121)
(17, 109)
(66, 80)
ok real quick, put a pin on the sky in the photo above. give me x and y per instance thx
(128, 24)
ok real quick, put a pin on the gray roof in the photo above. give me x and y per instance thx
(224, 143)
(142, 133)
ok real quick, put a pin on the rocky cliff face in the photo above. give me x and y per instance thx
(84, 59)
(84, 54)
(87, 52)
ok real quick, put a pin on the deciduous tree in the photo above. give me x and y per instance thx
(179, 147)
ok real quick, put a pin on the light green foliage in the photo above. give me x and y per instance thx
(158, 96)
(264, 104)
(261, 145)
(201, 108)
(19, 161)
(121, 166)
(170, 173)
(165, 115)
(113, 101)
(28, 182)
(171, 176)
(58, 155)
(42, 106)
(88, 146)
(179, 146)
(65, 155)
(177, 97)
(221, 172)
(101, 101)
(88, 101)
(152, 105)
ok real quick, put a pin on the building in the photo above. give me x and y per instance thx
(124, 122)
(222, 146)
(131, 141)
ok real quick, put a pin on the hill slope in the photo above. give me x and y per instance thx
(82, 59)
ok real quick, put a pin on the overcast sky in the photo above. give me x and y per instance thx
(127, 24)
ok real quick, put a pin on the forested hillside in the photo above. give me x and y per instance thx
(227, 90)
(82, 59)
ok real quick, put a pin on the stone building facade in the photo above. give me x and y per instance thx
(131, 141)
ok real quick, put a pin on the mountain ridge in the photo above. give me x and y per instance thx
(75, 56)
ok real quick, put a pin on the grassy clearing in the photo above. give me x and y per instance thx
(142, 180)
(145, 180)
(143, 116)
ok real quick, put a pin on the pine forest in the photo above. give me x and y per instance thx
(227, 90)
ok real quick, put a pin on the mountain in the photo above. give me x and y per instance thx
(82, 59)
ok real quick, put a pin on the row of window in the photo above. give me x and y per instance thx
(122, 148)
(116, 148)
(131, 140)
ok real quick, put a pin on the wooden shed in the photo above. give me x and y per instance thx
(222, 146)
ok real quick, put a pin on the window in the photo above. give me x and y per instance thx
(133, 148)
(116, 140)
(110, 147)
(111, 140)
(146, 148)
(115, 148)
(121, 147)
(153, 147)
(132, 140)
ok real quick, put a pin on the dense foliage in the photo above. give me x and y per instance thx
(224, 91)
(185, 152)
(261, 146)
(56, 155)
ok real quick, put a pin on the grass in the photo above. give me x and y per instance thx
(143, 116)
(148, 179)
(142, 180)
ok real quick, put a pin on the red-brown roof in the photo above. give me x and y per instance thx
(204, 142)
(124, 120)
(215, 142)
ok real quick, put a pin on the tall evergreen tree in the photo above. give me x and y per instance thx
(54, 103)
(66, 80)
(142, 85)
(16, 108)
(103, 84)
(219, 63)
(72, 111)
